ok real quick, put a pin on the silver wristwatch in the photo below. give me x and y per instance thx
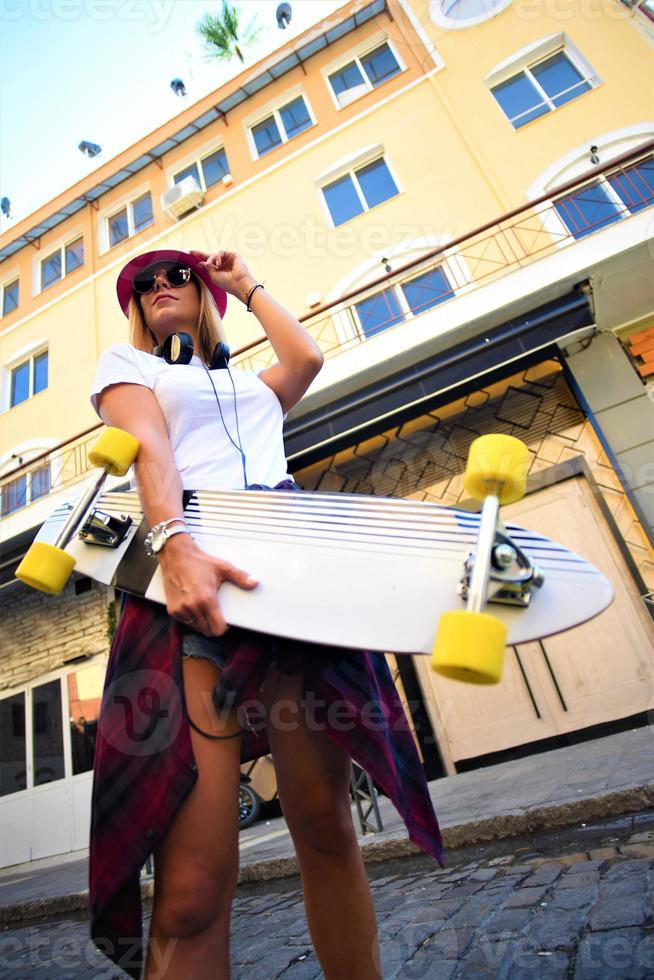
(157, 536)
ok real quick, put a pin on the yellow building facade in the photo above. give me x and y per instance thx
(456, 198)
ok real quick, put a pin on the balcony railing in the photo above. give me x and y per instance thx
(566, 214)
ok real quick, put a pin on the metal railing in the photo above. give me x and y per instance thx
(513, 241)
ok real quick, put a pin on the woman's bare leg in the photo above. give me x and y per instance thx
(313, 777)
(196, 865)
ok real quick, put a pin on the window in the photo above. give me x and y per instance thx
(364, 73)
(130, 219)
(604, 201)
(84, 698)
(208, 171)
(464, 13)
(392, 305)
(28, 378)
(47, 733)
(24, 489)
(68, 257)
(359, 190)
(282, 125)
(540, 88)
(13, 750)
(9, 297)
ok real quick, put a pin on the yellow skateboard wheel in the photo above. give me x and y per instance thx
(497, 464)
(45, 568)
(469, 647)
(115, 451)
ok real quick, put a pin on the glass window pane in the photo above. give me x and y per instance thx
(520, 100)
(635, 185)
(142, 212)
(376, 182)
(14, 495)
(13, 756)
(20, 384)
(118, 227)
(215, 167)
(295, 117)
(40, 372)
(74, 255)
(560, 79)
(587, 210)
(342, 200)
(426, 290)
(190, 171)
(464, 9)
(10, 297)
(378, 312)
(266, 136)
(346, 78)
(51, 270)
(40, 481)
(47, 733)
(84, 697)
(380, 64)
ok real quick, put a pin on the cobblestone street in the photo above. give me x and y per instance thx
(575, 904)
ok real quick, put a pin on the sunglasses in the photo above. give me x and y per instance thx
(176, 275)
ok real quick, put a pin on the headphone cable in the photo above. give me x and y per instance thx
(238, 446)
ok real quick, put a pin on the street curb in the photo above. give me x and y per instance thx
(539, 819)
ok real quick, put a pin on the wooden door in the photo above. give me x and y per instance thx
(597, 672)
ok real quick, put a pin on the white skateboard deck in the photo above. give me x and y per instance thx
(347, 570)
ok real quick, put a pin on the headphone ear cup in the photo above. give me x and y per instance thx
(220, 357)
(177, 348)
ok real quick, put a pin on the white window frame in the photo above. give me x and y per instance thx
(7, 281)
(454, 265)
(356, 162)
(577, 163)
(28, 353)
(441, 19)
(110, 212)
(26, 688)
(29, 450)
(521, 62)
(43, 254)
(196, 159)
(355, 55)
(62, 253)
(273, 109)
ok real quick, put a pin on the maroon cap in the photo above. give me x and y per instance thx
(140, 262)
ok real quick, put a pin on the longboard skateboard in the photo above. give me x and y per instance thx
(355, 571)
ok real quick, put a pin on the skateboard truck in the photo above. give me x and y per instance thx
(47, 567)
(512, 576)
(469, 644)
(104, 529)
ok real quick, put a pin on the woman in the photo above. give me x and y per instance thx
(186, 699)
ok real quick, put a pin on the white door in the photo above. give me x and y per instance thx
(47, 739)
(597, 672)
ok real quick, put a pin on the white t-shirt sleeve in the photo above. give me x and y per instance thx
(117, 365)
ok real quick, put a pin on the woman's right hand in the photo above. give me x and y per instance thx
(192, 578)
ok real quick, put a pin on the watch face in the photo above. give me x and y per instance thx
(158, 539)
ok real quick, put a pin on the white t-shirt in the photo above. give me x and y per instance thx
(204, 455)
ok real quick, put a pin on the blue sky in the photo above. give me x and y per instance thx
(100, 70)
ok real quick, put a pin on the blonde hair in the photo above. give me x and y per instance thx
(210, 324)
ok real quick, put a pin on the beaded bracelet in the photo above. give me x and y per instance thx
(249, 296)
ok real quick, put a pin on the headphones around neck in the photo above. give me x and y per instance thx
(177, 348)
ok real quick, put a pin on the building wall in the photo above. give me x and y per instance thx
(42, 633)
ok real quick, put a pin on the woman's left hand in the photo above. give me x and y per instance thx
(227, 270)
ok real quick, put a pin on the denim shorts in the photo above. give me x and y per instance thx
(207, 647)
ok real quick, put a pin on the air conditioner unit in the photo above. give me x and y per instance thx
(350, 94)
(228, 180)
(182, 198)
